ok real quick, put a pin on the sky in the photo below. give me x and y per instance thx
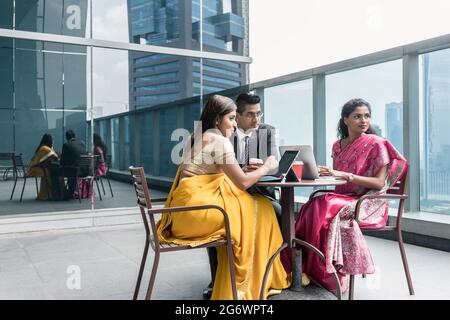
(286, 36)
(303, 34)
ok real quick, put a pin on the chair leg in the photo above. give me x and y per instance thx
(405, 261)
(23, 187)
(37, 188)
(352, 287)
(266, 273)
(141, 269)
(152, 276)
(309, 246)
(14, 188)
(110, 189)
(103, 187)
(232, 271)
(98, 189)
(212, 257)
(78, 187)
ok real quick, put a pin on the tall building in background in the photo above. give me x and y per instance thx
(394, 124)
(159, 78)
(42, 84)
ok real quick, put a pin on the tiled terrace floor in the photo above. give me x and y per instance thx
(36, 265)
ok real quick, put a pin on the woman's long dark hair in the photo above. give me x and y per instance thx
(215, 109)
(98, 142)
(47, 140)
(347, 109)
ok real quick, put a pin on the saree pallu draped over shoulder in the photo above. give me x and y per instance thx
(327, 221)
(254, 231)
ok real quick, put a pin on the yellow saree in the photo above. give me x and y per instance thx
(254, 230)
(43, 154)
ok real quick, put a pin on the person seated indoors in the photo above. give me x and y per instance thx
(70, 157)
(40, 161)
(211, 175)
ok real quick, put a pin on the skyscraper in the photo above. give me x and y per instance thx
(394, 124)
(159, 78)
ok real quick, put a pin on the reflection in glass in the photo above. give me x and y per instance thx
(434, 142)
(115, 143)
(146, 142)
(55, 16)
(167, 124)
(6, 130)
(380, 85)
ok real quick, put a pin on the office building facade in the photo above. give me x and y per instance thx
(159, 78)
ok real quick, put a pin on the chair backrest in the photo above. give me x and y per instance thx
(400, 186)
(18, 161)
(144, 200)
(6, 156)
(86, 164)
(108, 159)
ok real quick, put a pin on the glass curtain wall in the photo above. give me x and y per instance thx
(434, 142)
(382, 86)
(52, 87)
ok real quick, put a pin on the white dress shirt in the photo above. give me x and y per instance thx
(241, 143)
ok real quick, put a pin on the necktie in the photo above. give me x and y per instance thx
(246, 150)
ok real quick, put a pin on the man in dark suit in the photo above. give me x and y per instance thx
(252, 139)
(70, 157)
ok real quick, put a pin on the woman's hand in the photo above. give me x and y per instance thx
(325, 171)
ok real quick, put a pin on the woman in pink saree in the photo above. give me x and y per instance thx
(370, 164)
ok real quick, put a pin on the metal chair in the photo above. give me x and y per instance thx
(395, 192)
(86, 172)
(148, 217)
(100, 178)
(6, 156)
(18, 163)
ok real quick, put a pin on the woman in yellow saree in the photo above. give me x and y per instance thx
(43, 153)
(211, 175)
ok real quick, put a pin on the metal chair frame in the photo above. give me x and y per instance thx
(87, 161)
(148, 216)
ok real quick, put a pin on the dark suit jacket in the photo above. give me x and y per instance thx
(261, 145)
(71, 152)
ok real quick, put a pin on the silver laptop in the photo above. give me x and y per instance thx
(306, 155)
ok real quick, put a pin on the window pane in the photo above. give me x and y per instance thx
(289, 108)
(146, 141)
(381, 86)
(6, 130)
(434, 142)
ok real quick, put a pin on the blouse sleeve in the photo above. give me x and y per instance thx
(379, 156)
(222, 152)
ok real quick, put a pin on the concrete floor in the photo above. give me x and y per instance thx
(46, 265)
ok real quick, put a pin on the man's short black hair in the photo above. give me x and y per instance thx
(70, 134)
(245, 99)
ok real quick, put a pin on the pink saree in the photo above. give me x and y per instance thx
(327, 221)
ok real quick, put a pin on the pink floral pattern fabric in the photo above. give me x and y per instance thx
(327, 221)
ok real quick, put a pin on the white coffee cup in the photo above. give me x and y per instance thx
(255, 161)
